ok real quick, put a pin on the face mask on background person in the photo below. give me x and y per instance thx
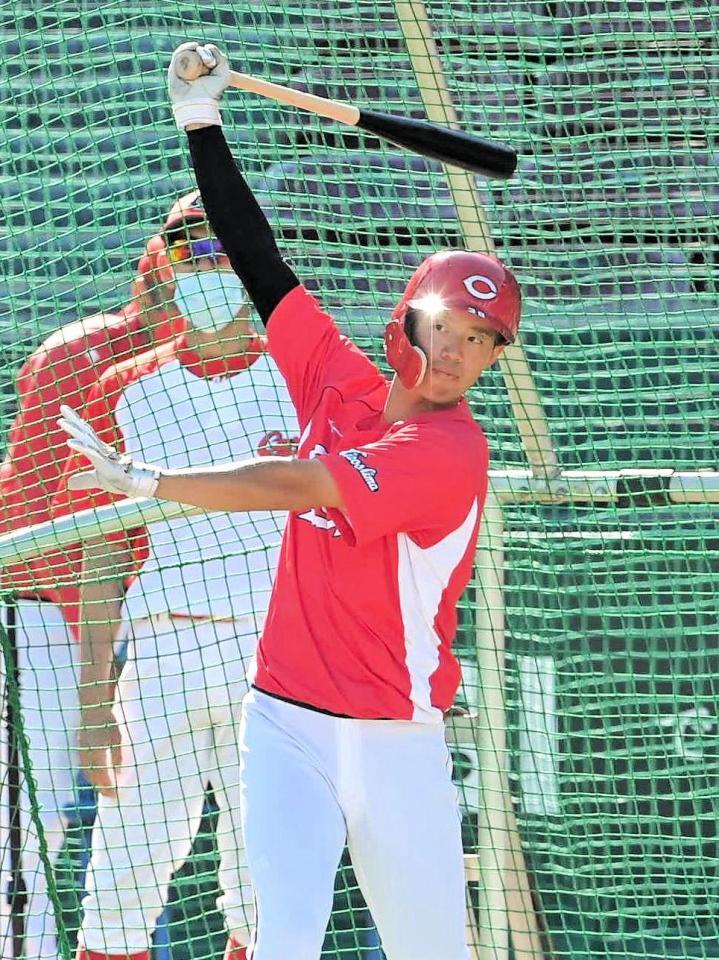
(209, 299)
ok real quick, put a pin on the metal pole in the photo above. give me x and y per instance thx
(526, 403)
(17, 893)
(491, 735)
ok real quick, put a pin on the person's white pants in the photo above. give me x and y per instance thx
(47, 674)
(179, 704)
(310, 782)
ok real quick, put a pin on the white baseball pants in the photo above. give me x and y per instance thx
(310, 782)
(47, 668)
(178, 703)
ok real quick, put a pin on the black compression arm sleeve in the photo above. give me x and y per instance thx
(239, 222)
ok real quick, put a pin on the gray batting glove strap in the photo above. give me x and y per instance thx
(111, 471)
(197, 101)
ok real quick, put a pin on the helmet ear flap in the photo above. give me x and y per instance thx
(407, 360)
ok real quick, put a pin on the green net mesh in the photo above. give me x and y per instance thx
(611, 227)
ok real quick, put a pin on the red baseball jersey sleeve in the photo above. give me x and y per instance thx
(312, 354)
(62, 370)
(397, 484)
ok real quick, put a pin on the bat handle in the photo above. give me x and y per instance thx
(189, 66)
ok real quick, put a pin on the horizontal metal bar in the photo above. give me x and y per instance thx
(621, 487)
(98, 521)
(648, 487)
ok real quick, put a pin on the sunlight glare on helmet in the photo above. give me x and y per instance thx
(431, 304)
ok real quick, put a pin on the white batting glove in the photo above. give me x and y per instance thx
(197, 101)
(112, 471)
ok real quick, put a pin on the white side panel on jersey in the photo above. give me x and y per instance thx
(423, 576)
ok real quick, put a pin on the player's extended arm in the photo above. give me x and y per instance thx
(105, 565)
(269, 483)
(232, 209)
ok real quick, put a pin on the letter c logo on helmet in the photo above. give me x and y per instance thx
(489, 292)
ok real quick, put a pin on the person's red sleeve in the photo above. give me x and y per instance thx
(419, 479)
(36, 446)
(311, 353)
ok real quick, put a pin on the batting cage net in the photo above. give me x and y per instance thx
(586, 735)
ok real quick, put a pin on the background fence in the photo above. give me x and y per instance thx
(611, 226)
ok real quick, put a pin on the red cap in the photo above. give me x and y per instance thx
(186, 209)
(465, 280)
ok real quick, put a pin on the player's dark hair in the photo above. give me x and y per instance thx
(410, 324)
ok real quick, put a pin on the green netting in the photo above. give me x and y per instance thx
(611, 636)
(611, 227)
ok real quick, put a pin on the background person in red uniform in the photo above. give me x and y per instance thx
(342, 737)
(191, 616)
(63, 369)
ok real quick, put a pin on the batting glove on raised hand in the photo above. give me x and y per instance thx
(197, 101)
(112, 471)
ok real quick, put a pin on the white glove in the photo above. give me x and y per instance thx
(112, 471)
(197, 101)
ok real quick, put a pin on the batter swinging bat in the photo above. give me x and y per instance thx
(490, 158)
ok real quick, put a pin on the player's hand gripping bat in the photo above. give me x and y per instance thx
(490, 158)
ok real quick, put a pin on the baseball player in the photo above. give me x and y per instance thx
(63, 369)
(342, 733)
(192, 614)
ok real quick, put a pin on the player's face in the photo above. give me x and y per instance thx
(459, 348)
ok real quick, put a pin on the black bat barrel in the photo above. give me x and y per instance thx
(497, 161)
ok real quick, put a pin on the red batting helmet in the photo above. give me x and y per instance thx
(453, 279)
(187, 209)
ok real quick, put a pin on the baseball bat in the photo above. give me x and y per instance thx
(490, 158)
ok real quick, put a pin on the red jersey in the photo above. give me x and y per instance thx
(363, 611)
(62, 370)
